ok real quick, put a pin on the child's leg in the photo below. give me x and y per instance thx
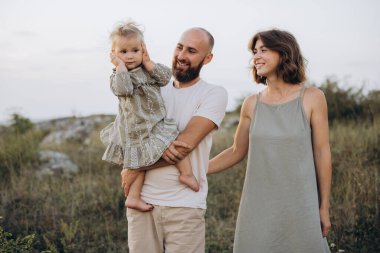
(186, 174)
(133, 200)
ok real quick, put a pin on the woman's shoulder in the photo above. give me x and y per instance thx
(249, 104)
(314, 95)
(251, 99)
(312, 90)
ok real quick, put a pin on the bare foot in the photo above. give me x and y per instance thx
(127, 179)
(190, 181)
(138, 204)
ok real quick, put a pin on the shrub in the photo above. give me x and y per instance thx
(20, 124)
(350, 103)
(19, 245)
(19, 146)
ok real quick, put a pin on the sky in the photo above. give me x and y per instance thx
(55, 54)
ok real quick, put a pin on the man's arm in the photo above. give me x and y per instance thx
(197, 128)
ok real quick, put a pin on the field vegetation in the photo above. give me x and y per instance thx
(85, 212)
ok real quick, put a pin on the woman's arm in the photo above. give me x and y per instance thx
(321, 152)
(239, 149)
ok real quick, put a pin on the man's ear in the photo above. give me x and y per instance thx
(208, 58)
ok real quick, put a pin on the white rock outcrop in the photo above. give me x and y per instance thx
(53, 163)
(71, 129)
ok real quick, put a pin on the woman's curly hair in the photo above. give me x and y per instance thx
(292, 64)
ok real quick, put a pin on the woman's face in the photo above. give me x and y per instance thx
(265, 60)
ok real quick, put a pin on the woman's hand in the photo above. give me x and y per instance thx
(146, 61)
(325, 221)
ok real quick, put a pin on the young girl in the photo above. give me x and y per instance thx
(140, 133)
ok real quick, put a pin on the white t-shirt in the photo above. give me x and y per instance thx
(161, 186)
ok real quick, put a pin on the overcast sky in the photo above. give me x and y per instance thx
(54, 54)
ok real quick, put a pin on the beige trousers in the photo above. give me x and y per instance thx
(166, 229)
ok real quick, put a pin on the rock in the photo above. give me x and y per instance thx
(53, 163)
(71, 129)
(232, 121)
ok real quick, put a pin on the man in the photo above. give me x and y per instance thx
(176, 223)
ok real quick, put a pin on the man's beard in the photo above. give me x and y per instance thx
(186, 76)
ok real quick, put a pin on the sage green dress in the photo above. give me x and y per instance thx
(141, 132)
(279, 210)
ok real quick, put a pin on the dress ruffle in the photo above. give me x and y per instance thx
(140, 133)
(147, 152)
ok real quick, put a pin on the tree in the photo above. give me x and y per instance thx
(20, 124)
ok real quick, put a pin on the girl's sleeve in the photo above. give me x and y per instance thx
(121, 84)
(160, 74)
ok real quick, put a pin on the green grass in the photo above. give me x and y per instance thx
(85, 212)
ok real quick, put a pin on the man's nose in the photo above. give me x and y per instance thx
(181, 55)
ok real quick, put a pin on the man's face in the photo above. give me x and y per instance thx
(191, 53)
(184, 72)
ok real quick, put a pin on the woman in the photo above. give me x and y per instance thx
(284, 129)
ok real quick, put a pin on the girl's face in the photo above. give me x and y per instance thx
(265, 60)
(129, 50)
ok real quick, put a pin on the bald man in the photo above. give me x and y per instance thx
(176, 223)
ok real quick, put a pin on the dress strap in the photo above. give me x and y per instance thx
(258, 96)
(256, 105)
(302, 92)
(258, 99)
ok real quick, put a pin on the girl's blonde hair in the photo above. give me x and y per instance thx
(126, 29)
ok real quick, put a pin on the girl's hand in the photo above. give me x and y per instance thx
(147, 62)
(325, 221)
(119, 64)
(116, 60)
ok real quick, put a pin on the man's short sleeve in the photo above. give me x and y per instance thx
(213, 105)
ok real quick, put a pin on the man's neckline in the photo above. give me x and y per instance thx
(187, 86)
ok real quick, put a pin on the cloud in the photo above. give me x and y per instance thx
(80, 50)
(25, 34)
(363, 63)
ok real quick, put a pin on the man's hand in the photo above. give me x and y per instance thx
(172, 155)
(127, 179)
